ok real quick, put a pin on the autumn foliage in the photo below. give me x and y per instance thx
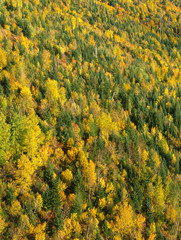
(90, 119)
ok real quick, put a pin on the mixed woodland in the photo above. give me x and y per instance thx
(90, 119)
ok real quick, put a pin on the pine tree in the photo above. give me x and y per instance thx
(159, 234)
(177, 166)
(105, 230)
(148, 211)
(48, 174)
(58, 219)
(80, 193)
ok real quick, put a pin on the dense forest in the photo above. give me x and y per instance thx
(90, 119)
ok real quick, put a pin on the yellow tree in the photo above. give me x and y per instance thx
(24, 175)
(3, 224)
(3, 58)
(123, 223)
(4, 138)
(139, 227)
(24, 224)
(15, 209)
(38, 232)
(25, 102)
(53, 94)
(67, 176)
(90, 177)
(26, 135)
(159, 196)
(33, 137)
(38, 202)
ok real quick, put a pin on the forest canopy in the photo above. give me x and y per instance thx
(90, 119)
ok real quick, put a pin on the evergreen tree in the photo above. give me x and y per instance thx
(80, 193)
(159, 234)
(148, 211)
(177, 166)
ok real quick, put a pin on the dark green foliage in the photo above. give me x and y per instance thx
(80, 193)
(9, 196)
(58, 219)
(159, 234)
(178, 166)
(51, 198)
(119, 194)
(6, 86)
(21, 48)
(18, 134)
(148, 211)
(25, 26)
(99, 235)
(2, 19)
(163, 171)
(48, 174)
(64, 122)
(105, 229)
(137, 195)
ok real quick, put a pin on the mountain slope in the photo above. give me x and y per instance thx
(90, 119)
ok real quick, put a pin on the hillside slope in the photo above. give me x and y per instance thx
(90, 119)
